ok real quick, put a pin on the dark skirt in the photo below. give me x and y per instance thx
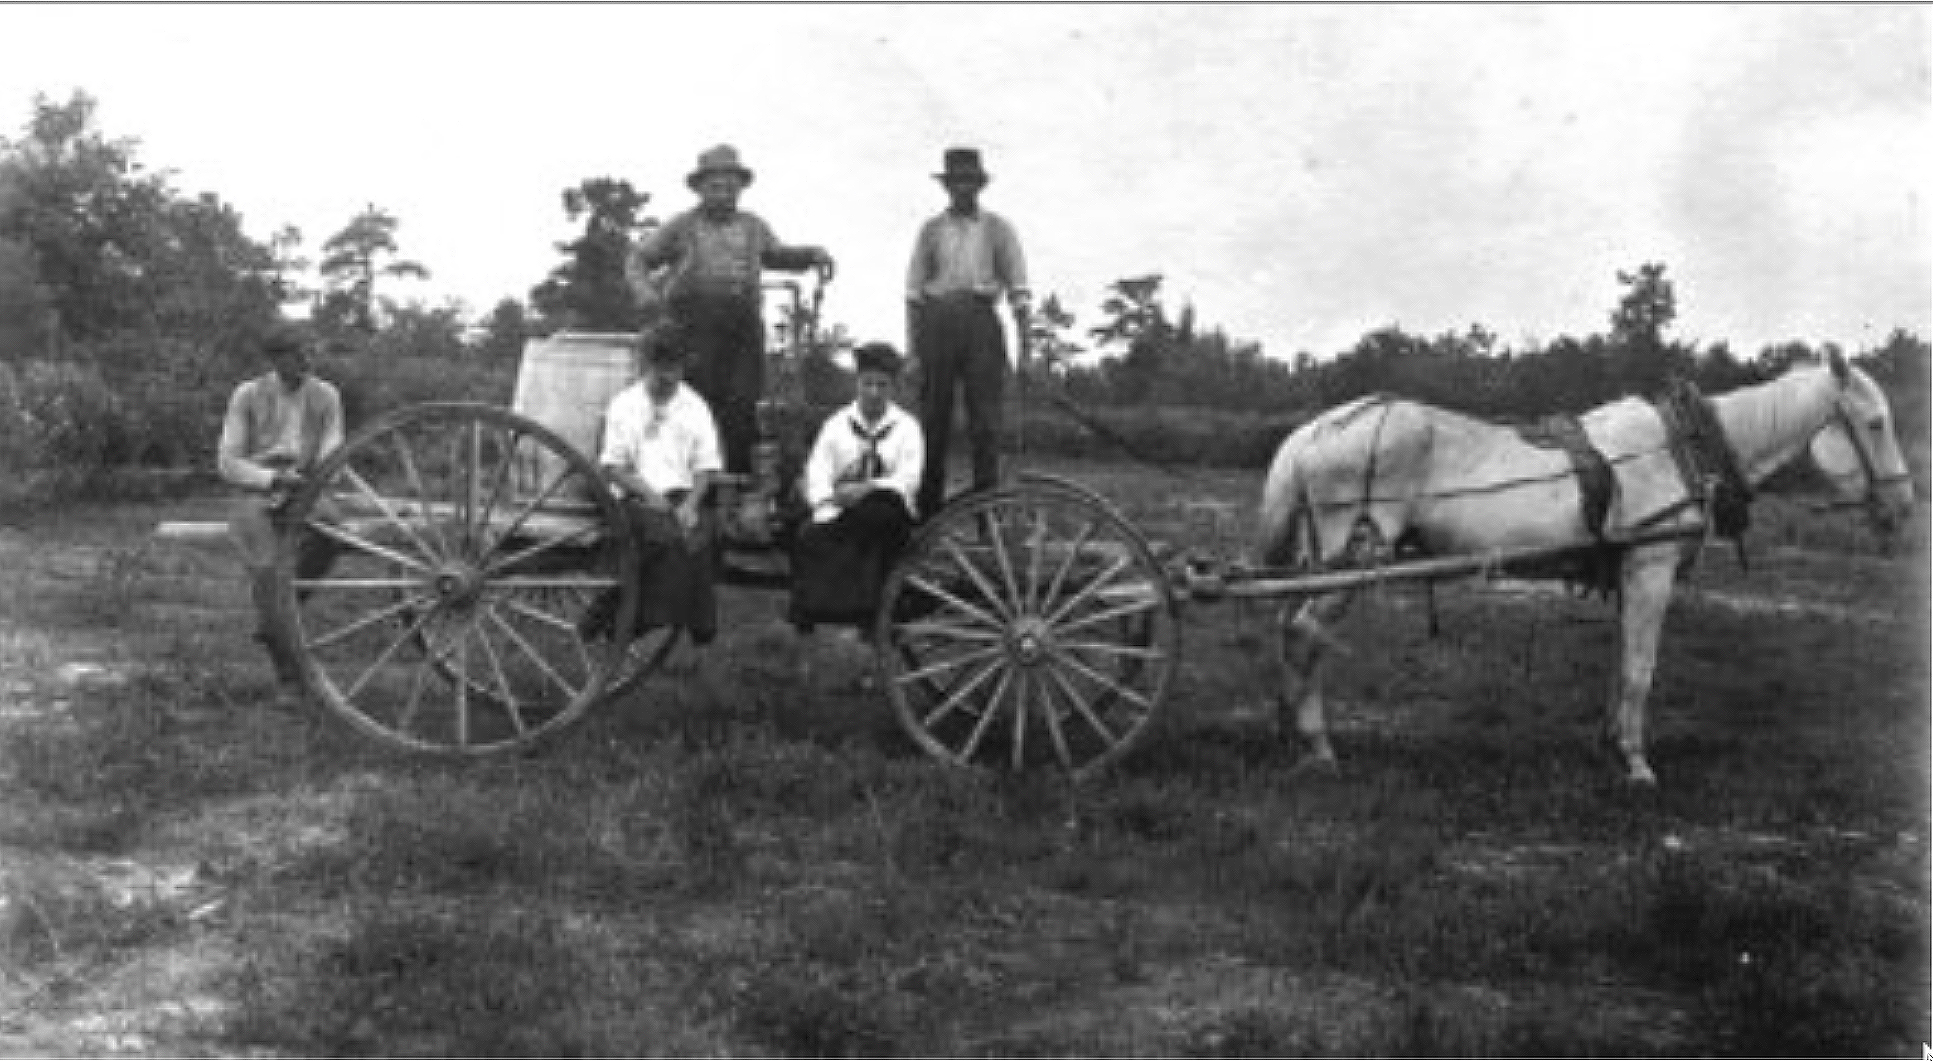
(839, 567)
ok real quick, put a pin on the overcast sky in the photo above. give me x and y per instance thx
(1302, 175)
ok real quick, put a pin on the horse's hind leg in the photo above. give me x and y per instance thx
(1305, 638)
(1647, 584)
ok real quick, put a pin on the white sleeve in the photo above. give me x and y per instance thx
(909, 459)
(620, 448)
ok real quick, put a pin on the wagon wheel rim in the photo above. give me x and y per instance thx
(470, 544)
(1028, 627)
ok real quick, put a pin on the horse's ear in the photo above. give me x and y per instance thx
(1837, 362)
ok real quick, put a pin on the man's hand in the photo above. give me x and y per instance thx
(687, 514)
(287, 480)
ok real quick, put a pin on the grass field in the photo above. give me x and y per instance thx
(749, 858)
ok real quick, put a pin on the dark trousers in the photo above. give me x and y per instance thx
(677, 576)
(839, 567)
(960, 345)
(724, 335)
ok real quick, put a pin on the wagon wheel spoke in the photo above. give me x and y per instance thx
(389, 513)
(1141, 606)
(997, 534)
(1054, 730)
(1036, 555)
(506, 460)
(973, 611)
(355, 541)
(1069, 661)
(576, 537)
(1019, 719)
(374, 618)
(979, 579)
(932, 670)
(536, 658)
(1137, 652)
(1088, 591)
(528, 509)
(511, 705)
(958, 694)
(409, 634)
(1067, 562)
(987, 716)
(1080, 705)
(413, 475)
(947, 631)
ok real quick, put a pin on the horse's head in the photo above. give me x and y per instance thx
(1858, 452)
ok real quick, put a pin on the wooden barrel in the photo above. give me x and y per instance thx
(565, 382)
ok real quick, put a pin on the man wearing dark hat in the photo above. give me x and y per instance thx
(660, 453)
(860, 481)
(279, 426)
(713, 299)
(964, 261)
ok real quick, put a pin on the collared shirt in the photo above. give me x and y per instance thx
(889, 453)
(666, 445)
(961, 253)
(714, 255)
(269, 428)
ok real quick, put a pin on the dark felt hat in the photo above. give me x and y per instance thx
(963, 163)
(877, 357)
(720, 159)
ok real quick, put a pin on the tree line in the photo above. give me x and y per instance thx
(129, 308)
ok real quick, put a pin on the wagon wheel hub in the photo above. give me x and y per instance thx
(458, 585)
(1030, 640)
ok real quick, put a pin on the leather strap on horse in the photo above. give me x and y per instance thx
(1595, 480)
(1705, 459)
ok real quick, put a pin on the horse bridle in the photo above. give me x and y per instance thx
(1868, 468)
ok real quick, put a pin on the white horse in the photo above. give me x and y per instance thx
(1383, 477)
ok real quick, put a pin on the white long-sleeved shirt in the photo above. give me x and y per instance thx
(667, 445)
(269, 428)
(889, 453)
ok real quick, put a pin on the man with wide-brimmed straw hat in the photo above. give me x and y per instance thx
(964, 261)
(715, 253)
(859, 480)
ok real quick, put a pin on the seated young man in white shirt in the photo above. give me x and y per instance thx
(860, 481)
(660, 453)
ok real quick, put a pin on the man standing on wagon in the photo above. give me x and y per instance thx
(964, 260)
(279, 426)
(715, 252)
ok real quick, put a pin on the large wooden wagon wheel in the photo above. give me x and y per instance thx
(471, 543)
(1028, 626)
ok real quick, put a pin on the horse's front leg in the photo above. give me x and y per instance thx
(1305, 639)
(1647, 584)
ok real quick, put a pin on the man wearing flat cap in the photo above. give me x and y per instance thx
(859, 480)
(714, 254)
(964, 262)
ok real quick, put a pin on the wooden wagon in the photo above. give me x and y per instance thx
(1030, 625)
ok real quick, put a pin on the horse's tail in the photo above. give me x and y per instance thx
(1284, 515)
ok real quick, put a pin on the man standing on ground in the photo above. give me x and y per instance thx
(964, 261)
(714, 300)
(279, 427)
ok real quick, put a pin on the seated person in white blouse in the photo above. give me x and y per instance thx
(660, 453)
(860, 481)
